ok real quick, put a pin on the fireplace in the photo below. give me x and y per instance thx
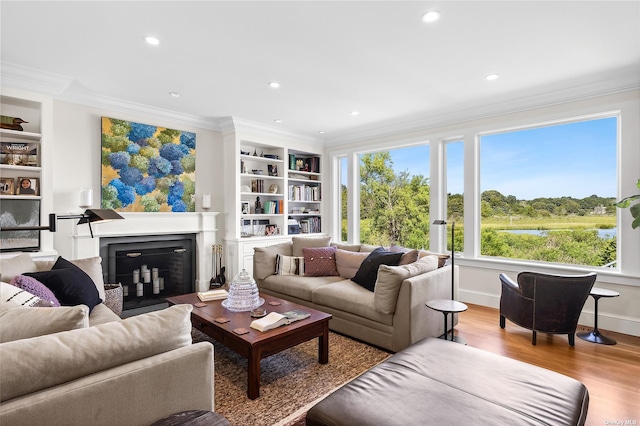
(150, 268)
(202, 225)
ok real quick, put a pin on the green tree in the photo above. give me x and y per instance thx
(394, 205)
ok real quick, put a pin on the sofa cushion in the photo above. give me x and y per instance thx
(368, 247)
(264, 259)
(17, 265)
(24, 323)
(14, 297)
(368, 271)
(70, 284)
(295, 286)
(347, 247)
(289, 265)
(390, 279)
(348, 262)
(308, 242)
(442, 257)
(77, 353)
(92, 266)
(36, 288)
(320, 262)
(102, 314)
(349, 297)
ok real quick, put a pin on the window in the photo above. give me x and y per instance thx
(344, 197)
(394, 197)
(454, 152)
(547, 193)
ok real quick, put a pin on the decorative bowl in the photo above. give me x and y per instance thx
(257, 172)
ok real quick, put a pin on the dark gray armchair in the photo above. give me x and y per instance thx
(545, 303)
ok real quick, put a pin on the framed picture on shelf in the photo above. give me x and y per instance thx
(272, 169)
(28, 186)
(6, 186)
(278, 230)
(244, 207)
(260, 227)
(270, 229)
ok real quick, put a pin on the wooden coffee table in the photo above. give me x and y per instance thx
(256, 345)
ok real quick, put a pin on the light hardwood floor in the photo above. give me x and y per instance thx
(611, 373)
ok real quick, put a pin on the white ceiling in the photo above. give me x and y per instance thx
(330, 57)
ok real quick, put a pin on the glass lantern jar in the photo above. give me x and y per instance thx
(243, 294)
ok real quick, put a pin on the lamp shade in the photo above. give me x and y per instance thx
(99, 215)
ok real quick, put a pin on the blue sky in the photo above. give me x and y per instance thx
(575, 159)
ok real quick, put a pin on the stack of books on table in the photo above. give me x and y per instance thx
(207, 296)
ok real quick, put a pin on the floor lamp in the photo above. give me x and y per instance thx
(453, 251)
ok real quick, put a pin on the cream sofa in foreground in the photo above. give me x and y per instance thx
(393, 316)
(57, 369)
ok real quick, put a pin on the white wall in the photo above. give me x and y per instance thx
(77, 155)
(479, 281)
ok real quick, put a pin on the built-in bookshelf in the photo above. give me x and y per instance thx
(276, 190)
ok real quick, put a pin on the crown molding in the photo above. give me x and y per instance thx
(624, 80)
(241, 125)
(126, 107)
(33, 80)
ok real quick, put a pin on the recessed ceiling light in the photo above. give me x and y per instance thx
(152, 40)
(277, 120)
(430, 16)
(175, 94)
(491, 77)
(321, 132)
(354, 113)
(274, 84)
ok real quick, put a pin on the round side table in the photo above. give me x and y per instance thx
(448, 306)
(594, 336)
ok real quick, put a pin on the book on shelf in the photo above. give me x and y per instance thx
(276, 319)
(19, 154)
(207, 296)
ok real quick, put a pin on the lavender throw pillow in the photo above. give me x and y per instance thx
(36, 288)
(320, 262)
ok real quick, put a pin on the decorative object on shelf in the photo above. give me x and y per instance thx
(272, 169)
(28, 186)
(86, 198)
(19, 154)
(245, 152)
(272, 156)
(218, 279)
(244, 207)
(11, 123)
(137, 157)
(245, 188)
(243, 294)
(258, 206)
(273, 188)
(257, 171)
(635, 209)
(7, 186)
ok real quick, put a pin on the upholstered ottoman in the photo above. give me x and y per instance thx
(440, 382)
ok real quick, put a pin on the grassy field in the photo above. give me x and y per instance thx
(549, 223)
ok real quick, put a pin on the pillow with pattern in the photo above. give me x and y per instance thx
(320, 262)
(289, 265)
(35, 287)
(14, 297)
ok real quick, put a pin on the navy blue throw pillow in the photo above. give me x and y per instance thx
(70, 284)
(368, 272)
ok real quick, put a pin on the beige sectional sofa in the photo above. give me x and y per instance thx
(392, 316)
(64, 366)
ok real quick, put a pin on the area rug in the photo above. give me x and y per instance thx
(290, 381)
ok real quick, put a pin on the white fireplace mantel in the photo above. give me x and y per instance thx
(203, 224)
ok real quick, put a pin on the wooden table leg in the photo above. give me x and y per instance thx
(253, 375)
(323, 345)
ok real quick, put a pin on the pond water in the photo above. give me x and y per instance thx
(602, 233)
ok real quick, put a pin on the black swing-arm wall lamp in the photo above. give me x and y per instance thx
(89, 216)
